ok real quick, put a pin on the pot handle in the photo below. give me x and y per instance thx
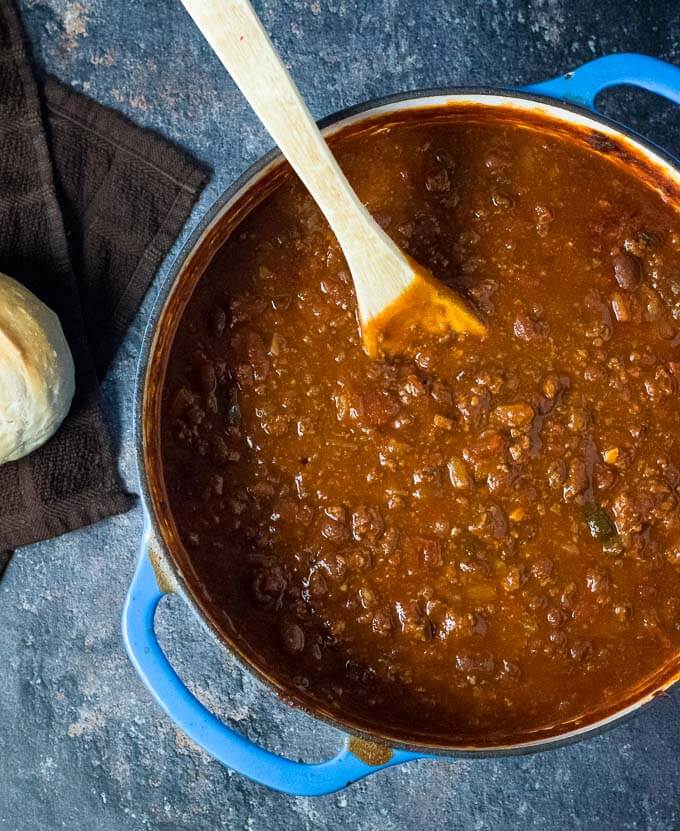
(226, 745)
(582, 85)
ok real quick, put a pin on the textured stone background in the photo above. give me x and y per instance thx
(82, 745)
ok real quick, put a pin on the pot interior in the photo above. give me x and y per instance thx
(576, 128)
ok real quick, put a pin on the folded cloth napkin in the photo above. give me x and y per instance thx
(89, 207)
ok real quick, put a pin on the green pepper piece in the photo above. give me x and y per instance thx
(598, 521)
(602, 528)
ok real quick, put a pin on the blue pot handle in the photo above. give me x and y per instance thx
(582, 86)
(226, 745)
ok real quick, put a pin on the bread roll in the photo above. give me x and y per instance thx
(37, 377)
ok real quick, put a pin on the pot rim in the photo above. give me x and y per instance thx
(398, 103)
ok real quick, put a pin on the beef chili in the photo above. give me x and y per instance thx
(479, 540)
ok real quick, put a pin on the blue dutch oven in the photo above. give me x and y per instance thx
(569, 100)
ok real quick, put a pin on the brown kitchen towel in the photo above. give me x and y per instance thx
(89, 207)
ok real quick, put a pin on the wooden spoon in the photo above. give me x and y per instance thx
(397, 298)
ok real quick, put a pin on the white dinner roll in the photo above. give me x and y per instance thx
(37, 376)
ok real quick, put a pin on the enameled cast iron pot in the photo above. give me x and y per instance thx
(568, 103)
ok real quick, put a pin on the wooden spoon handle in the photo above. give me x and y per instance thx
(236, 35)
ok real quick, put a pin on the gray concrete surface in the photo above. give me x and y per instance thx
(82, 745)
